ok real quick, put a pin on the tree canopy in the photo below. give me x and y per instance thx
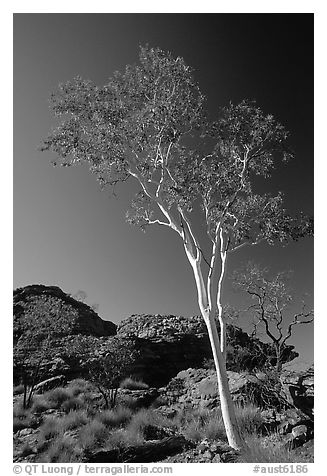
(143, 124)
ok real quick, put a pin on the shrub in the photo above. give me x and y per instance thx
(249, 418)
(213, 428)
(57, 396)
(72, 403)
(131, 384)
(40, 404)
(123, 438)
(74, 419)
(148, 416)
(258, 451)
(115, 417)
(62, 450)
(78, 386)
(199, 424)
(93, 435)
(50, 428)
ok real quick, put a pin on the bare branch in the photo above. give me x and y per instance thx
(296, 321)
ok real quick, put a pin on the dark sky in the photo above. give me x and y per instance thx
(70, 234)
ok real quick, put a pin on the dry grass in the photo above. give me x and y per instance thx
(116, 417)
(132, 384)
(268, 450)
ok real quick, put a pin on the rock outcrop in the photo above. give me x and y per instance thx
(88, 321)
(298, 389)
(169, 344)
(198, 388)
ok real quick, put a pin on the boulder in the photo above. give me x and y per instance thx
(138, 398)
(298, 389)
(199, 387)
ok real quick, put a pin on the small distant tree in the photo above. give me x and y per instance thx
(269, 311)
(80, 295)
(108, 365)
(195, 177)
(43, 320)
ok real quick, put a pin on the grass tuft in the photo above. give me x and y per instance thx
(132, 384)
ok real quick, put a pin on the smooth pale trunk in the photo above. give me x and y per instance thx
(227, 407)
(223, 257)
(226, 403)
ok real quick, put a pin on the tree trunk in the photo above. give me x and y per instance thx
(279, 361)
(223, 257)
(25, 393)
(227, 406)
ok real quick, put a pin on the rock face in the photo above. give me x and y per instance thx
(198, 388)
(169, 344)
(88, 322)
(298, 389)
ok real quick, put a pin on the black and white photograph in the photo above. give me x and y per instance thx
(163, 250)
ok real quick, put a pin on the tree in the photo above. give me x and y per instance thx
(108, 365)
(43, 320)
(271, 299)
(148, 124)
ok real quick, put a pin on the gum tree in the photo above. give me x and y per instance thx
(271, 299)
(148, 124)
(42, 320)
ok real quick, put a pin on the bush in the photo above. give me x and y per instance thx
(131, 384)
(123, 438)
(40, 404)
(249, 418)
(201, 424)
(261, 450)
(74, 419)
(78, 386)
(52, 432)
(57, 396)
(73, 403)
(50, 428)
(93, 435)
(116, 417)
(61, 450)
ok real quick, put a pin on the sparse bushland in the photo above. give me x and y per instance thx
(69, 433)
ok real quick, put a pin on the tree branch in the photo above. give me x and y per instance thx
(296, 321)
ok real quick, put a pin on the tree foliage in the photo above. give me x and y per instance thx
(141, 124)
(108, 364)
(42, 320)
